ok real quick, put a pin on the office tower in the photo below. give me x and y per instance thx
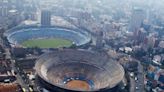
(138, 15)
(151, 41)
(4, 8)
(139, 36)
(99, 40)
(45, 18)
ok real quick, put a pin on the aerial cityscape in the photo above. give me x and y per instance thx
(81, 46)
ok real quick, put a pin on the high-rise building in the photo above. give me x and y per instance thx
(151, 41)
(45, 18)
(140, 36)
(99, 40)
(4, 8)
(138, 15)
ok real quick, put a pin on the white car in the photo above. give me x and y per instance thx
(137, 88)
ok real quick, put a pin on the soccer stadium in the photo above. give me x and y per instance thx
(68, 70)
(46, 37)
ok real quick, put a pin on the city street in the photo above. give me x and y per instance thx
(140, 76)
(137, 82)
(18, 76)
(132, 85)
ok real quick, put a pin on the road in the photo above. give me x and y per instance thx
(18, 76)
(140, 83)
(132, 85)
(137, 85)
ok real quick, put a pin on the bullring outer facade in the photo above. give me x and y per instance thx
(93, 71)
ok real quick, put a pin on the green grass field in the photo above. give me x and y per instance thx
(47, 43)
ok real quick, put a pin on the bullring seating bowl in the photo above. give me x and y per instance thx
(98, 70)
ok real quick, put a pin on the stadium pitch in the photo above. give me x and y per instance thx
(47, 43)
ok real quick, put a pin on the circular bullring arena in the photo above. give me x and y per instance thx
(46, 37)
(71, 70)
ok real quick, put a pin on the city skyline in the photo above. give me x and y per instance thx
(81, 45)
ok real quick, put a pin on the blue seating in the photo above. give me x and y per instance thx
(21, 35)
